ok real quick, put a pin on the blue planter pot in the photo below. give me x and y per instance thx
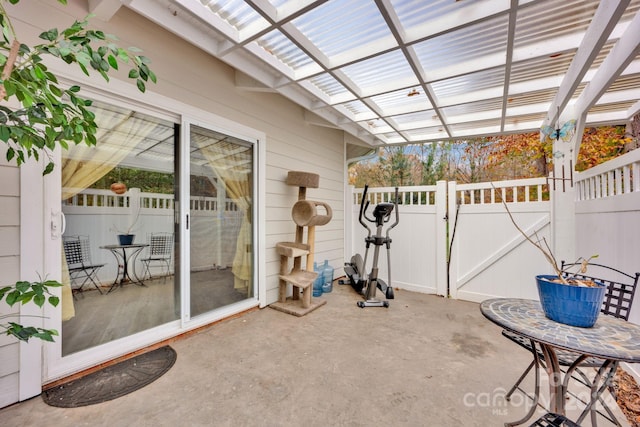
(125, 239)
(571, 305)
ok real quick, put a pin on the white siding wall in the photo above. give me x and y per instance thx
(9, 273)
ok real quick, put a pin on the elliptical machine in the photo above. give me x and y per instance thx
(355, 270)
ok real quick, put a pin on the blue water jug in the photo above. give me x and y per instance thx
(327, 274)
(318, 282)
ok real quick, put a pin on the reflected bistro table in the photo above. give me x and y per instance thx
(611, 339)
(125, 254)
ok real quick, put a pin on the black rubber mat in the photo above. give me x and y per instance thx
(112, 381)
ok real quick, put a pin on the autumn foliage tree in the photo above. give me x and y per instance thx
(601, 144)
(483, 159)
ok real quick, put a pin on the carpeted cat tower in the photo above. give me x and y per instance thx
(306, 214)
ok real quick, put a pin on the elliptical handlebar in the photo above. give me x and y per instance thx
(395, 205)
(382, 212)
(363, 208)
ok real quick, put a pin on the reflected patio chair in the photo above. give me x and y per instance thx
(618, 298)
(77, 251)
(160, 251)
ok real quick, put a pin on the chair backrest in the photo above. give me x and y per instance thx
(621, 287)
(160, 244)
(77, 250)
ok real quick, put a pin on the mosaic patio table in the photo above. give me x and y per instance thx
(611, 339)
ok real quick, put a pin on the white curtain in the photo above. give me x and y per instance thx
(232, 164)
(118, 134)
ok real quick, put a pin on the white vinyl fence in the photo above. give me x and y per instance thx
(488, 256)
(608, 215)
(102, 215)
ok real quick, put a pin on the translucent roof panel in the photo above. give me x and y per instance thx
(328, 84)
(468, 83)
(464, 45)
(384, 71)
(541, 21)
(280, 46)
(477, 107)
(402, 101)
(358, 109)
(236, 13)
(342, 25)
(372, 68)
(413, 13)
(418, 119)
(542, 67)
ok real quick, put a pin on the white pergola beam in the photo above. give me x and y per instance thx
(604, 21)
(622, 54)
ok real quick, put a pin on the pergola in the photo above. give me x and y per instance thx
(409, 71)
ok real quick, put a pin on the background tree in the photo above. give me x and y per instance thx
(474, 160)
(601, 144)
(397, 166)
(437, 162)
(518, 156)
(485, 159)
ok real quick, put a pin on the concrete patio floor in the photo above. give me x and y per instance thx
(424, 361)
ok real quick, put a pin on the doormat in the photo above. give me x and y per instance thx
(112, 381)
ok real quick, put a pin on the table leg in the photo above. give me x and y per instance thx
(119, 258)
(606, 372)
(122, 257)
(536, 395)
(556, 385)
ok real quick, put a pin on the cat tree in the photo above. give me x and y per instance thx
(305, 214)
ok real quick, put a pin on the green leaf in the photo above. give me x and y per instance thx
(12, 297)
(52, 284)
(113, 62)
(133, 73)
(50, 35)
(5, 133)
(48, 169)
(123, 55)
(4, 291)
(26, 297)
(22, 286)
(54, 300)
(44, 336)
(141, 86)
(39, 300)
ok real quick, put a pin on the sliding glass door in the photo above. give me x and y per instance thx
(124, 186)
(220, 219)
(159, 227)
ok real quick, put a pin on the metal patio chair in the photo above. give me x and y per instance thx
(159, 251)
(617, 303)
(77, 251)
(553, 420)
